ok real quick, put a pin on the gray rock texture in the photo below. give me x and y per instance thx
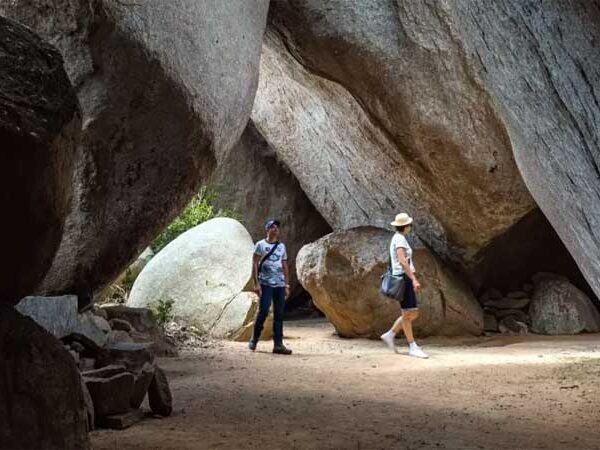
(342, 273)
(164, 87)
(110, 395)
(558, 307)
(41, 401)
(39, 127)
(541, 65)
(160, 398)
(57, 315)
(376, 108)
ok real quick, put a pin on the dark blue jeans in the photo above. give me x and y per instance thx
(277, 296)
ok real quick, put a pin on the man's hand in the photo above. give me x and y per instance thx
(258, 290)
(287, 290)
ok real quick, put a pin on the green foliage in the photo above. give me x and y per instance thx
(128, 280)
(200, 209)
(162, 310)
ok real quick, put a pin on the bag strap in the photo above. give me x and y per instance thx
(264, 258)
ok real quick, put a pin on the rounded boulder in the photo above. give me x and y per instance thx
(342, 273)
(202, 271)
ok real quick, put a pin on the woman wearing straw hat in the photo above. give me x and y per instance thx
(402, 265)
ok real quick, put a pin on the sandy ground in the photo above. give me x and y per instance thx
(485, 393)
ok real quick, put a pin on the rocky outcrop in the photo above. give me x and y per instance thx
(263, 188)
(39, 127)
(540, 63)
(342, 273)
(41, 399)
(164, 87)
(558, 307)
(417, 131)
(202, 271)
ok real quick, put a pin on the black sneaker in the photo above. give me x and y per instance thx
(252, 345)
(282, 350)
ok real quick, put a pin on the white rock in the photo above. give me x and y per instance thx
(202, 271)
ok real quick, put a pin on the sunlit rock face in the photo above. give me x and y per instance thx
(164, 88)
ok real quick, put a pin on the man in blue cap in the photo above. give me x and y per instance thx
(271, 281)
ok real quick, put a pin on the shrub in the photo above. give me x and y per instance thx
(162, 310)
(200, 209)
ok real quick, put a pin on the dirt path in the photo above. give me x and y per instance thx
(486, 393)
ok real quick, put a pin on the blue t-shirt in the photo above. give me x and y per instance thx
(272, 269)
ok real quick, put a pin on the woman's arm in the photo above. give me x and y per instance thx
(406, 266)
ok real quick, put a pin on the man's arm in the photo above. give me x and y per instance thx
(286, 275)
(255, 262)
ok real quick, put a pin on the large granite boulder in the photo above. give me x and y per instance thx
(41, 400)
(265, 188)
(39, 126)
(540, 63)
(342, 273)
(164, 87)
(417, 131)
(202, 271)
(558, 307)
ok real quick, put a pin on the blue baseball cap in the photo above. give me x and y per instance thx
(270, 223)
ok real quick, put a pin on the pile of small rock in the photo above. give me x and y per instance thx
(114, 348)
(507, 314)
(550, 304)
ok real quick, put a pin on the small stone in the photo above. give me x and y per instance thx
(104, 372)
(89, 406)
(93, 327)
(86, 364)
(132, 355)
(508, 303)
(511, 326)
(110, 395)
(489, 322)
(142, 383)
(119, 324)
(491, 294)
(121, 421)
(100, 312)
(118, 336)
(90, 348)
(75, 356)
(77, 347)
(519, 315)
(159, 394)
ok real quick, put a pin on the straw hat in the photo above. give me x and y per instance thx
(401, 220)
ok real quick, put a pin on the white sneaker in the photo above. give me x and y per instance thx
(416, 351)
(389, 341)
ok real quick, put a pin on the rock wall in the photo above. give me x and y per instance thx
(39, 127)
(376, 108)
(164, 88)
(541, 65)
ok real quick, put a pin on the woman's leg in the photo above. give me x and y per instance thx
(408, 317)
(397, 327)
